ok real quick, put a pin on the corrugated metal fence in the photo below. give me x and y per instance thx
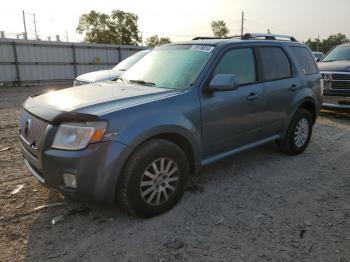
(24, 62)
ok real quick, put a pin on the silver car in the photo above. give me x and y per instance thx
(335, 68)
(114, 73)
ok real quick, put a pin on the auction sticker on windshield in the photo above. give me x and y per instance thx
(202, 48)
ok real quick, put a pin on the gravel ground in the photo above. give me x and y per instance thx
(256, 206)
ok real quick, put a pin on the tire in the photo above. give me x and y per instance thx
(153, 179)
(302, 121)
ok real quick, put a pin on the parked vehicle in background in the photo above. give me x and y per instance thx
(335, 68)
(318, 56)
(114, 73)
(181, 107)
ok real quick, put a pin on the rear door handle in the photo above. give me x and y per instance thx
(293, 88)
(252, 96)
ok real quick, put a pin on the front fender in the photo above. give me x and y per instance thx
(143, 129)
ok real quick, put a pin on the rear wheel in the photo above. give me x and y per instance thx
(154, 178)
(298, 133)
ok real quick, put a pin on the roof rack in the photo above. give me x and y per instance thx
(212, 37)
(257, 36)
(252, 36)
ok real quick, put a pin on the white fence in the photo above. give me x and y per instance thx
(27, 62)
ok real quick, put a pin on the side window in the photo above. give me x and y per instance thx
(275, 63)
(239, 62)
(305, 60)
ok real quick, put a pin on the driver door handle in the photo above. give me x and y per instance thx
(252, 96)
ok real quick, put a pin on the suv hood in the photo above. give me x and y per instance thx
(99, 76)
(93, 99)
(335, 66)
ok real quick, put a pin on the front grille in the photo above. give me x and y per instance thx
(32, 129)
(340, 85)
(340, 81)
(341, 77)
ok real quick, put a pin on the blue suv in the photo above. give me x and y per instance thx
(181, 107)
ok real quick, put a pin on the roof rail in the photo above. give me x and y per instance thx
(257, 36)
(212, 37)
(252, 36)
(206, 37)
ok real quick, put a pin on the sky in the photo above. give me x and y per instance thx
(184, 19)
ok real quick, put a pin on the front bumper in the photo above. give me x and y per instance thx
(96, 169)
(336, 102)
(336, 93)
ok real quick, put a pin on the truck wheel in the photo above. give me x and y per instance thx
(298, 133)
(153, 179)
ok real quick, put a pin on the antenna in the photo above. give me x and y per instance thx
(242, 24)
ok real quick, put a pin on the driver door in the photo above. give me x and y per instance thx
(232, 119)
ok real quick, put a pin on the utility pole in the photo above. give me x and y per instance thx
(36, 32)
(242, 24)
(24, 23)
(67, 35)
(317, 42)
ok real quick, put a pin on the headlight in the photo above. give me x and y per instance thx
(76, 136)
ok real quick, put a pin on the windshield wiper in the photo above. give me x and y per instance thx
(142, 82)
(125, 81)
(136, 81)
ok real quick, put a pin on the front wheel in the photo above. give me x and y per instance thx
(298, 133)
(154, 178)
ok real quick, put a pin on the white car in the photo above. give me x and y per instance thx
(112, 74)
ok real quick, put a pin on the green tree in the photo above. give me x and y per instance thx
(326, 45)
(126, 28)
(219, 28)
(118, 28)
(154, 41)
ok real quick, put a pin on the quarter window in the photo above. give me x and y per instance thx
(239, 62)
(305, 60)
(275, 63)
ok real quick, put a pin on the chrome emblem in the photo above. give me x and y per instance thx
(27, 126)
(328, 78)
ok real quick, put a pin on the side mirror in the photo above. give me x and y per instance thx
(223, 82)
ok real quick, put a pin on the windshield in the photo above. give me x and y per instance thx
(175, 66)
(341, 53)
(130, 61)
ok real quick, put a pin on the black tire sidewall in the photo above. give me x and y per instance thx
(135, 168)
(300, 114)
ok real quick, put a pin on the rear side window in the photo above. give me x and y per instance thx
(239, 62)
(305, 60)
(275, 63)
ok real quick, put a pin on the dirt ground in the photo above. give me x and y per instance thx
(256, 206)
